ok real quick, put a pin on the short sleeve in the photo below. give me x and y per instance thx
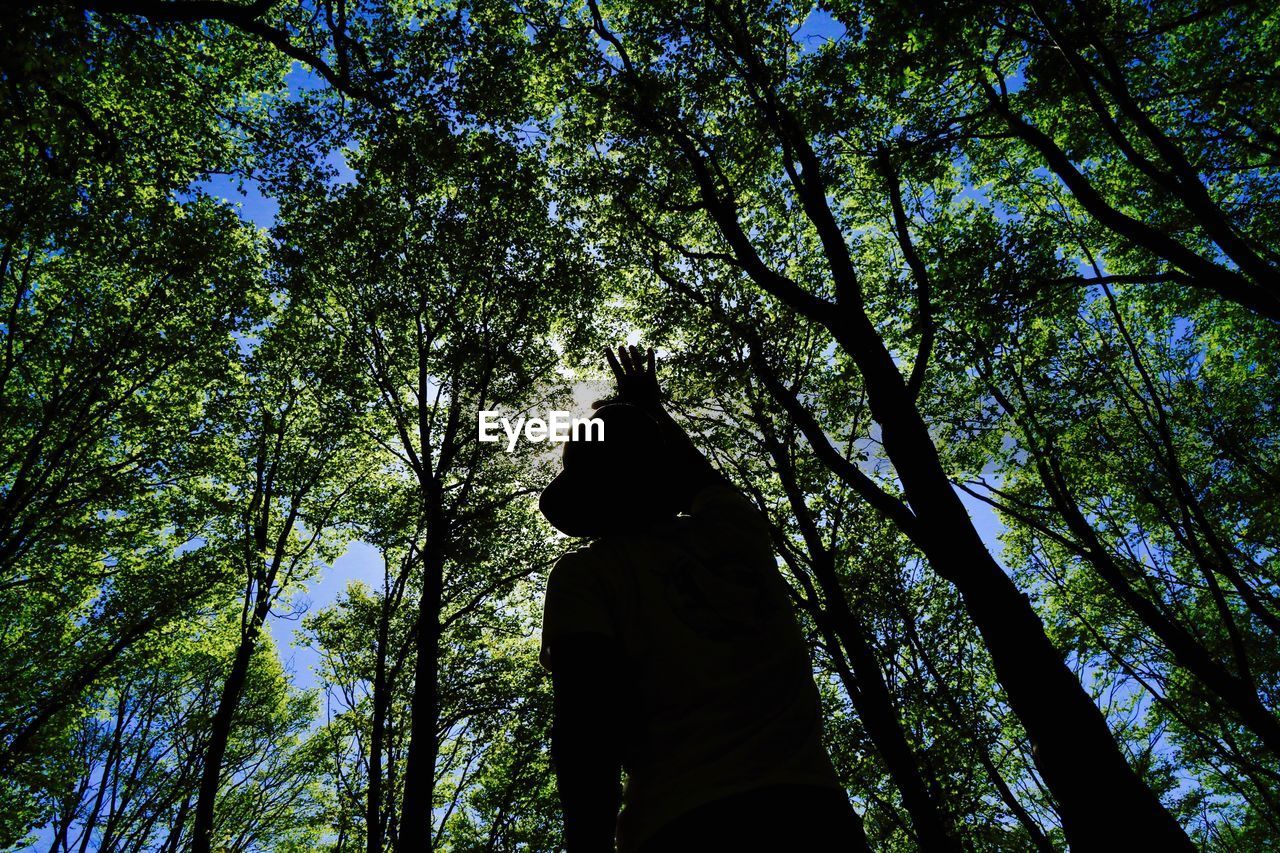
(577, 602)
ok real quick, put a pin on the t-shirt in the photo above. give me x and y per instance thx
(715, 664)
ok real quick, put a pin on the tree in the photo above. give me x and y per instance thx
(976, 302)
(671, 105)
(444, 276)
(111, 352)
(137, 760)
(294, 429)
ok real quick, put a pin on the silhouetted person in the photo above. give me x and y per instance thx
(674, 654)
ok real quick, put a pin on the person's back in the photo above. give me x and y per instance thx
(715, 670)
(700, 684)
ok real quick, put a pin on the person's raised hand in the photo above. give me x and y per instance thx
(637, 378)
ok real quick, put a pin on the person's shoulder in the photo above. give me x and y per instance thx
(585, 560)
(592, 553)
(724, 512)
(723, 501)
(718, 494)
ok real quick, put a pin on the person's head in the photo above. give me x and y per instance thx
(616, 485)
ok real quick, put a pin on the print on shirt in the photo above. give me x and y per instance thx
(718, 598)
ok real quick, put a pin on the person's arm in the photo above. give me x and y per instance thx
(637, 378)
(585, 746)
(580, 650)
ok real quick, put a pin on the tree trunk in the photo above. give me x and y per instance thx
(416, 821)
(219, 735)
(869, 694)
(374, 826)
(1104, 802)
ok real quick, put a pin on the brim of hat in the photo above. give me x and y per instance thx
(573, 504)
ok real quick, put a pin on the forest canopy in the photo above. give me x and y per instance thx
(979, 303)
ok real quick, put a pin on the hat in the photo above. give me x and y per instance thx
(612, 482)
